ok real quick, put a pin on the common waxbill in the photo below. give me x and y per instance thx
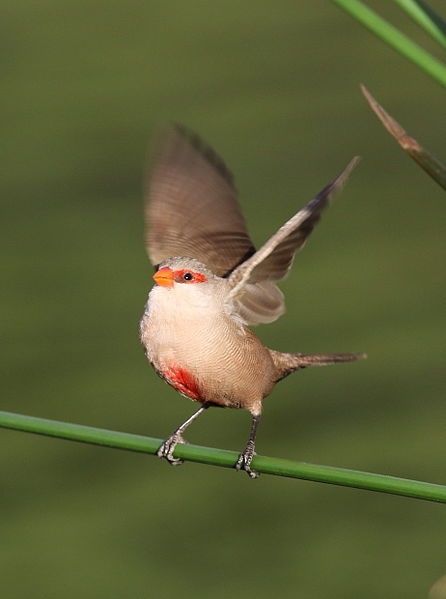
(211, 283)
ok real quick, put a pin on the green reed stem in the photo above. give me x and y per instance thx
(426, 18)
(400, 42)
(227, 459)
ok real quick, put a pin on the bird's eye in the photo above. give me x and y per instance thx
(188, 276)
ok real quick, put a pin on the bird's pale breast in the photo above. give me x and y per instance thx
(205, 354)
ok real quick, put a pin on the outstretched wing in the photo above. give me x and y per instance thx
(273, 260)
(191, 206)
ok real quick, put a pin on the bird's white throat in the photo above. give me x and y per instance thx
(184, 304)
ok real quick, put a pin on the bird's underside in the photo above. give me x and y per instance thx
(211, 284)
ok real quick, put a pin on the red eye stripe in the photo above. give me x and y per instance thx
(196, 276)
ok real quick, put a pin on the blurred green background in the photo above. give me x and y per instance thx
(274, 88)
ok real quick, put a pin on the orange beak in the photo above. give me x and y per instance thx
(164, 277)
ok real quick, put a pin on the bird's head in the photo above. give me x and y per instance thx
(182, 271)
(187, 288)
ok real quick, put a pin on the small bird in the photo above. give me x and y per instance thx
(211, 284)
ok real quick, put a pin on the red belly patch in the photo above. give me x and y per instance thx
(182, 381)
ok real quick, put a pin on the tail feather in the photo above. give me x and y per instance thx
(288, 363)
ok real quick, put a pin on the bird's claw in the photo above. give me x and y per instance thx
(244, 461)
(168, 447)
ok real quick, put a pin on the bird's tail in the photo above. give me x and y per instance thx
(288, 363)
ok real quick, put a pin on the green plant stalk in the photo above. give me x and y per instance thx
(423, 14)
(400, 42)
(227, 459)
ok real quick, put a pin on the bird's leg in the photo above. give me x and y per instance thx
(168, 447)
(245, 459)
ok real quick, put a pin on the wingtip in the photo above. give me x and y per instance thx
(174, 133)
(353, 164)
(338, 183)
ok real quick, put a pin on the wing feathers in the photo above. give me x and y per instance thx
(191, 210)
(259, 303)
(273, 260)
(191, 206)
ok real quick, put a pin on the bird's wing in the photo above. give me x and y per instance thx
(191, 206)
(274, 259)
(259, 303)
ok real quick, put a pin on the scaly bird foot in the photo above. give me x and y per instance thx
(245, 459)
(168, 447)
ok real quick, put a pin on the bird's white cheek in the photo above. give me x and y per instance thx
(158, 301)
